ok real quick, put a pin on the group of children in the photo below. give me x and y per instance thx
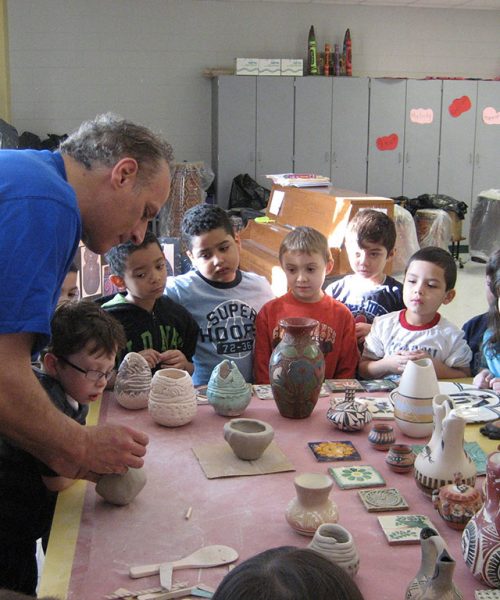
(370, 326)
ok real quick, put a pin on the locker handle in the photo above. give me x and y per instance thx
(399, 157)
(334, 158)
(477, 159)
(407, 158)
(471, 158)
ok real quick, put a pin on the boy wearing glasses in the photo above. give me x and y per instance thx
(77, 364)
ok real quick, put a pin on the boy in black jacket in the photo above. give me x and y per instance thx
(158, 328)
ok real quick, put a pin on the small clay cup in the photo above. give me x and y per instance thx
(381, 436)
(400, 458)
(248, 438)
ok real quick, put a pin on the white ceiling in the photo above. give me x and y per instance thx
(470, 4)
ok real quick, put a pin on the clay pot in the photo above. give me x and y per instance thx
(381, 436)
(172, 400)
(133, 382)
(412, 399)
(336, 544)
(248, 438)
(121, 489)
(481, 536)
(457, 503)
(227, 391)
(311, 507)
(400, 458)
(349, 414)
(444, 455)
(297, 368)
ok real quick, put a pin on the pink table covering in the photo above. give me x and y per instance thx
(246, 513)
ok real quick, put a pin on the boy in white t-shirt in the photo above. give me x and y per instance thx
(419, 331)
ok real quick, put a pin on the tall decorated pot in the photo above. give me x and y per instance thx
(481, 536)
(297, 368)
(172, 399)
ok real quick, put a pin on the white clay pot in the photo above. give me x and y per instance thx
(412, 399)
(133, 382)
(248, 438)
(336, 544)
(172, 400)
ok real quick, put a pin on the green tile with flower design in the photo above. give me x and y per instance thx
(404, 529)
(356, 477)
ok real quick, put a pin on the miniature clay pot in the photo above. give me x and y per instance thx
(381, 436)
(121, 489)
(336, 544)
(297, 368)
(400, 458)
(133, 382)
(311, 507)
(172, 401)
(412, 399)
(227, 390)
(457, 503)
(248, 438)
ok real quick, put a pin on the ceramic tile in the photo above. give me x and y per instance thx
(381, 408)
(378, 385)
(330, 451)
(340, 385)
(356, 477)
(264, 392)
(487, 595)
(404, 529)
(382, 500)
(473, 449)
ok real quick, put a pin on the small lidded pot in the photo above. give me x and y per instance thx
(457, 502)
(349, 414)
(400, 458)
(381, 436)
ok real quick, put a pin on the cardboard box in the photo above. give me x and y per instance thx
(247, 66)
(292, 66)
(269, 66)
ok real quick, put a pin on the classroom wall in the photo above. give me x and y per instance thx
(71, 59)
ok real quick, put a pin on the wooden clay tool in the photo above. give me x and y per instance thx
(208, 556)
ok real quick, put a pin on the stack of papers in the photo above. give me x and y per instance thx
(299, 179)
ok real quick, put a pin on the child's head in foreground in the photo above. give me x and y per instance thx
(306, 259)
(287, 573)
(430, 277)
(82, 349)
(141, 269)
(70, 291)
(493, 342)
(370, 241)
(209, 238)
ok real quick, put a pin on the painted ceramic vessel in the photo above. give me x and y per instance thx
(336, 544)
(381, 436)
(297, 368)
(444, 456)
(412, 399)
(227, 391)
(311, 507)
(172, 400)
(481, 536)
(248, 438)
(400, 458)
(457, 503)
(133, 382)
(434, 575)
(349, 414)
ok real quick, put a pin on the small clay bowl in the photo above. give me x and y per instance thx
(248, 438)
(381, 436)
(400, 458)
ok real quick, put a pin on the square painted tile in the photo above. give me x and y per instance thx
(487, 594)
(404, 529)
(381, 408)
(264, 391)
(341, 385)
(382, 500)
(330, 451)
(356, 477)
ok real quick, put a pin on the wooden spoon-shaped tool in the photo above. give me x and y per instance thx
(208, 556)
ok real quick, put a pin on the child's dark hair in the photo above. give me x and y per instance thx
(73, 268)
(203, 218)
(117, 257)
(440, 257)
(76, 324)
(287, 573)
(306, 240)
(493, 342)
(373, 226)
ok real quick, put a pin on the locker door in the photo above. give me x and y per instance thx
(456, 155)
(233, 131)
(350, 132)
(386, 137)
(423, 122)
(274, 127)
(313, 125)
